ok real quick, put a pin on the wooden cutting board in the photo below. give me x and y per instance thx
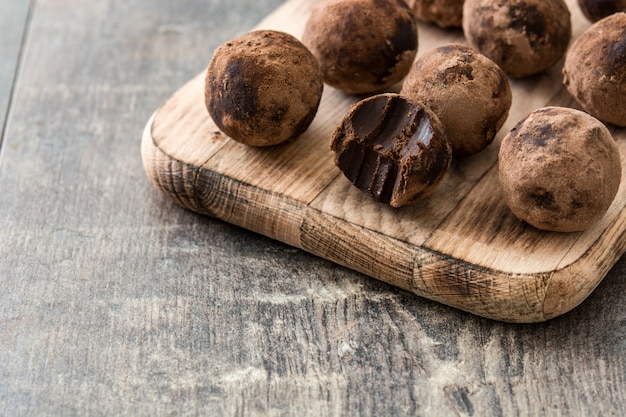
(461, 246)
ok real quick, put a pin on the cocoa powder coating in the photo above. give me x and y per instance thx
(363, 46)
(443, 13)
(263, 88)
(524, 37)
(467, 91)
(392, 148)
(559, 169)
(595, 69)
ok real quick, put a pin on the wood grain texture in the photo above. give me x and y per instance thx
(114, 301)
(461, 246)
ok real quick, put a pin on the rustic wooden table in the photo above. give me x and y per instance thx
(115, 301)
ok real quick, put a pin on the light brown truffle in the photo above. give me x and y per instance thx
(263, 88)
(524, 37)
(595, 69)
(595, 10)
(467, 91)
(559, 169)
(363, 46)
(443, 13)
(392, 148)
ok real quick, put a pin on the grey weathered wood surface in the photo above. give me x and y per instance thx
(13, 21)
(114, 301)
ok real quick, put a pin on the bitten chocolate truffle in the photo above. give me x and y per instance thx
(443, 13)
(595, 69)
(467, 91)
(363, 46)
(263, 88)
(392, 148)
(559, 169)
(524, 37)
(595, 10)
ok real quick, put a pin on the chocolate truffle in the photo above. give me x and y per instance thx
(595, 10)
(443, 13)
(595, 69)
(263, 88)
(392, 148)
(363, 46)
(559, 169)
(524, 37)
(467, 91)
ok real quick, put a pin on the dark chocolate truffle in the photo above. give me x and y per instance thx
(263, 88)
(392, 148)
(524, 37)
(467, 91)
(595, 69)
(559, 169)
(363, 46)
(595, 10)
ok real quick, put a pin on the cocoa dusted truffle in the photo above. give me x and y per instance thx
(363, 46)
(443, 13)
(595, 10)
(524, 37)
(467, 91)
(392, 148)
(263, 88)
(595, 69)
(559, 169)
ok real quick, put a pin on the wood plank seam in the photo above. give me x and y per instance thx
(16, 71)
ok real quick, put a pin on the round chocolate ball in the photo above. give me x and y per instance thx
(595, 10)
(595, 69)
(392, 148)
(559, 169)
(467, 91)
(263, 88)
(524, 37)
(363, 46)
(443, 13)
